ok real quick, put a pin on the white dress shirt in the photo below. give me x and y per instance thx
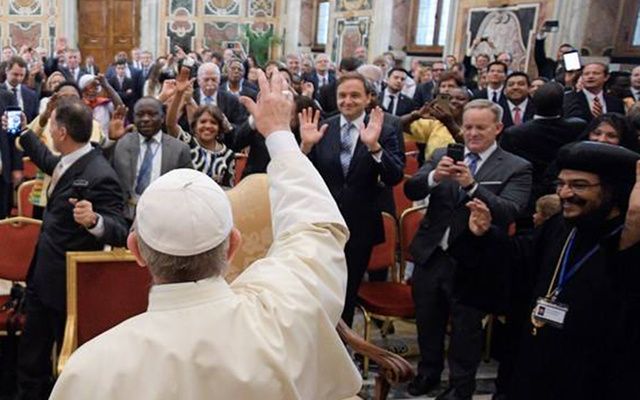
(387, 98)
(591, 96)
(156, 149)
(214, 98)
(522, 106)
(636, 94)
(497, 91)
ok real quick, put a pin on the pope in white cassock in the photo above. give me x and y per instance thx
(268, 335)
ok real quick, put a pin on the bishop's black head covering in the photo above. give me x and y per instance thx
(615, 165)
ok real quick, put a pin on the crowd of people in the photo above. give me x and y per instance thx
(532, 185)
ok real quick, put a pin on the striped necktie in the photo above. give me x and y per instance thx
(346, 146)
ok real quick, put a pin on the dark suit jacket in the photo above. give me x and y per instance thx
(538, 141)
(128, 92)
(546, 66)
(247, 90)
(357, 193)
(229, 105)
(405, 104)
(59, 232)
(30, 101)
(136, 77)
(507, 119)
(327, 97)
(315, 80)
(484, 94)
(67, 73)
(11, 158)
(504, 185)
(577, 105)
(424, 93)
(470, 73)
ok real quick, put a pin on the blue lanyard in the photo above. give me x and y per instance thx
(565, 275)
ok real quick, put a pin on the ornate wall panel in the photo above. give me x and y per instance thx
(349, 27)
(29, 22)
(216, 24)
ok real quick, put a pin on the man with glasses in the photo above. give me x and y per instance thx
(425, 91)
(580, 271)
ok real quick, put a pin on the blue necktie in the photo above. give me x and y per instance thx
(345, 147)
(472, 159)
(144, 175)
(208, 100)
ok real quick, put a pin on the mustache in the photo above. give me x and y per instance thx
(574, 200)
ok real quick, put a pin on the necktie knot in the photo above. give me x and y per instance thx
(472, 160)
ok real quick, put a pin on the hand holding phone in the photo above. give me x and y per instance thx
(13, 115)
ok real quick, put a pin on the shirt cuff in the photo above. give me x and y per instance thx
(280, 142)
(541, 36)
(98, 230)
(473, 190)
(252, 122)
(377, 156)
(432, 183)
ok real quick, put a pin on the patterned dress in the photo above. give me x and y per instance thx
(219, 165)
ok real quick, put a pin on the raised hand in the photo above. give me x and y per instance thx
(116, 125)
(309, 133)
(631, 232)
(272, 111)
(307, 89)
(480, 217)
(182, 80)
(46, 114)
(370, 134)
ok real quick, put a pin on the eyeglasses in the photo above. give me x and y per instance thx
(574, 186)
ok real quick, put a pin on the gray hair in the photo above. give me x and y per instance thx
(371, 72)
(484, 104)
(174, 269)
(208, 66)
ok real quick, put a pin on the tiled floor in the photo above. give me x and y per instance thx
(404, 342)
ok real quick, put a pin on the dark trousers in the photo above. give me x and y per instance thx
(44, 327)
(357, 255)
(435, 300)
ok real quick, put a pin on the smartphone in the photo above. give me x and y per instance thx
(455, 151)
(571, 61)
(14, 120)
(550, 26)
(442, 100)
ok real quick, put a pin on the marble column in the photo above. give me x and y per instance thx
(380, 29)
(150, 29)
(572, 15)
(290, 18)
(69, 28)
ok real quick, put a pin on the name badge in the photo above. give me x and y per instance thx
(550, 312)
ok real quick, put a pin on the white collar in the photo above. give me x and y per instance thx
(156, 138)
(591, 96)
(522, 106)
(388, 93)
(68, 159)
(536, 116)
(10, 87)
(485, 154)
(498, 90)
(214, 96)
(358, 122)
(172, 296)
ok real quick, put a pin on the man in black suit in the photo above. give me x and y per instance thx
(84, 212)
(327, 94)
(547, 67)
(591, 101)
(425, 91)
(132, 72)
(26, 98)
(124, 86)
(207, 93)
(502, 181)
(515, 102)
(321, 75)
(73, 70)
(392, 99)
(235, 83)
(539, 139)
(10, 160)
(496, 75)
(357, 151)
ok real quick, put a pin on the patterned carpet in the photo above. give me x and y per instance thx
(404, 342)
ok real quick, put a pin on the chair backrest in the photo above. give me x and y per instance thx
(409, 224)
(104, 288)
(29, 169)
(401, 200)
(25, 208)
(411, 165)
(383, 255)
(18, 238)
(241, 163)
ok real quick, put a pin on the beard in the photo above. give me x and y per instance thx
(593, 219)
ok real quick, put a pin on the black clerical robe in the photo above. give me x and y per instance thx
(594, 356)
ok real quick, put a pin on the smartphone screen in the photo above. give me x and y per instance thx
(455, 151)
(550, 26)
(14, 121)
(571, 61)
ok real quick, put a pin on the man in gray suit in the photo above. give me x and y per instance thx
(141, 157)
(441, 285)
